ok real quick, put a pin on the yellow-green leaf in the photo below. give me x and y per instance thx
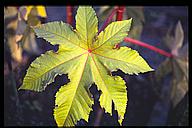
(113, 88)
(59, 33)
(72, 100)
(43, 70)
(126, 59)
(86, 24)
(86, 59)
(114, 33)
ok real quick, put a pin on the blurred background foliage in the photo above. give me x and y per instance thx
(155, 98)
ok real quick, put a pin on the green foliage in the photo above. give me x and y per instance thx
(178, 65)
(87, 59)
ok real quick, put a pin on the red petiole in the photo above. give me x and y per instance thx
(69, 10)
(120, 12)
(108, 20)
(153, 48)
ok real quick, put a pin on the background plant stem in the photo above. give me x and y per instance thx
(69, 10)
(120, 11)
(108, 20)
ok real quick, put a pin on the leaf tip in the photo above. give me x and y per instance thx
(120, 120)
(130, 20)
(19, 88)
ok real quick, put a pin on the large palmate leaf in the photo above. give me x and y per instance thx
(87, 59)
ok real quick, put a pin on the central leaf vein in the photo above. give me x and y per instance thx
(78, 84)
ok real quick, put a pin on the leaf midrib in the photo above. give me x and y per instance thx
(101, 76)
(62, 37)
(118, 60)
(59, 65)
(108, 38)
(77, 86)
(85, 13)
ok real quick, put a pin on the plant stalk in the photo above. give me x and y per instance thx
(143, 44)
(69, 11)
(108, 20)
(120, 11)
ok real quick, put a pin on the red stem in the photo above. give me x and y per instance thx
(140, 43)
(108, 20)
(119, 17)
(120, 12)
(69, 10)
